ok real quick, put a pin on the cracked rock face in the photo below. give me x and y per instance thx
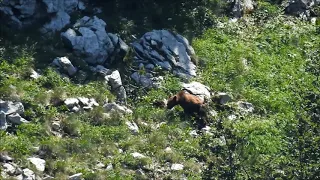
(89, 38)
(167, 50)
(59, 21)
(61, 5)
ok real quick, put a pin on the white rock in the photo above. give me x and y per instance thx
(84, 101)
(232, 117)
(177, 167)
(168, 150)
(34, 74)
(138, 155)
(193, 133)
(65, 64)
(71, 102)
(114, 79)
(4, 157)
(115, 108)
(75, 176)
(109, 167)
(56, 125)
(28, 174)
(9, 107)
(132, 126)
(15, 118)
(9, 169)
(223, 98)
(100, 165)
(245, 107)
(198, 89)
(40, 164)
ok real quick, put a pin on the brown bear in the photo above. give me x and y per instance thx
(190, 103)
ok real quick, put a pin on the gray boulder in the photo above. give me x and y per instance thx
(198, 89)
(59, 21)
(3, 121)
(17, 13)
(40, 164)
(241, 7)
(132, 126)
(61, 5)
(65, 64)
(116, 108)
(113, 78)
(9, 107)
(77, 176)
(301, 8)
(16, 119)
(167, 50)
(28, 174)
(89, 38)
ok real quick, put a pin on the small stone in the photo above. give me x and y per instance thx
(71, 102)
(75, 176)
(15, 118)
(40, 164)
(177, 167)
(193, 133)
(245, 107)
(100, 165)
(138, 155)
(109, 167)
(223, 98)
(28, 174)
(232, 117)
(9, 169)
(168, 150)
(5, 158)
(56, 125)
(34, 74)
(133, 127)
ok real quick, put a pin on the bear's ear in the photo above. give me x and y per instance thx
(174, 98)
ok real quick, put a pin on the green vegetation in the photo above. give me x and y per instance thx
(267, 59)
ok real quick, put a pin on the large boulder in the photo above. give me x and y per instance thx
(301, 8)
(198, 89)
(61, 5)
(112, 78)
(65, 65)
(241, 7)
(59, 21)
(88, 38)
(167, 50)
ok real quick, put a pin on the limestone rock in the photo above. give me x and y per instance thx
(65, 64)
(132, 126)
(177, 167)
(15, 118)
(198, 89)
(28, 174)
(167, 50)
(59, 21)
(40, 164)
(77, 176)
(116, 108)
(88, 38)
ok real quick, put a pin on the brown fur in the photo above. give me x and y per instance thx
(189, 102)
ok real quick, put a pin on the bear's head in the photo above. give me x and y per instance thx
(172, 101)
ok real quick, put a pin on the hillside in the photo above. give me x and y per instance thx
(82, 111)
